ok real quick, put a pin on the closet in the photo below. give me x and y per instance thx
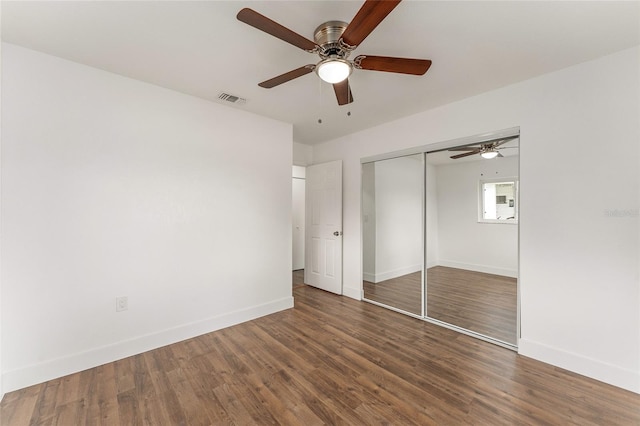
(440, 235)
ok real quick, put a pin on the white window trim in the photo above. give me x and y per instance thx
(481, 183)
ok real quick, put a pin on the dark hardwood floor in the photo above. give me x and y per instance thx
(330, 360)
(484, 303)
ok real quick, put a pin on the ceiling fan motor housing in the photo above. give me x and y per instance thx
(327, 36)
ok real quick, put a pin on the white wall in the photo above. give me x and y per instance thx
(579, 273)
(463, 241)
(302, 154)
(113, 187)
(398, 217)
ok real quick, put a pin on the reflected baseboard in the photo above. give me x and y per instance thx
(383, 276)
(512, 273)
(388, 275)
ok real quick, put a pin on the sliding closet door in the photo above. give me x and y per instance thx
(472, 241)
(392, 200)
(440, 234)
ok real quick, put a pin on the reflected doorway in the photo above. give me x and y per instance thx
(297, 278)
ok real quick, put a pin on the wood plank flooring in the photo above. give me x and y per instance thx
(484, 303)
(329, 360)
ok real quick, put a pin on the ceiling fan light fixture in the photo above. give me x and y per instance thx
(334, 70)
(489, 154)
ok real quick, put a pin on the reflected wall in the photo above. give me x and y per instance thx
(392, 232)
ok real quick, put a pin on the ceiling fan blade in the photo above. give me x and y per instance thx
(466, 154)
(343, 92)
(503, 141)
(288, 76)
(390, 64)
(261, 22)
(464, 148)
(366, 20)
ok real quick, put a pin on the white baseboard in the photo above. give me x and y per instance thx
(480, 268)
(395, 273)
(368, 276)
(607, 373)
(352, 292)
(432, 263)
(48, 370)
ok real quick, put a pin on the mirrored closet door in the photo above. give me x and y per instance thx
(472, 240)
(440, 236)
(392, 200)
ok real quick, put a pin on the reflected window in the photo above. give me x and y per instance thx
(498, 201)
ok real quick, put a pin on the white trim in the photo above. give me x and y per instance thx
(499, 221)
(607, 373)
(518, 281)
(423, 236)
(508, 179)
(432, 263)
(480, 268)
(41, 372)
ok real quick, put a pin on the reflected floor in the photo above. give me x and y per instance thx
(484, 303)
(402, 292)
(298, 277)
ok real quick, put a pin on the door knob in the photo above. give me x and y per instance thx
(337, 233)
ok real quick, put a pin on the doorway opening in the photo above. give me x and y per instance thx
(297, 221)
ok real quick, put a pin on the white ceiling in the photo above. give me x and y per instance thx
(199, 48)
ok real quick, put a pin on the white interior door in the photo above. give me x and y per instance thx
(323, 247)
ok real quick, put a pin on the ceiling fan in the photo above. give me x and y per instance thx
(333, 42)
(486, 150)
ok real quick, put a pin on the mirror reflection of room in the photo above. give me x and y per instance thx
(472, 241)
(392, 198)
(456, 216)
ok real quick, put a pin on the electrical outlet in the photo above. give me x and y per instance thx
(122, 304)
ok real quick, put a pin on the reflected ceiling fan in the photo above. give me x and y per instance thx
(486, 150)
(333, 43)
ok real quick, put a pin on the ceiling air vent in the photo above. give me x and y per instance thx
(232, 98)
